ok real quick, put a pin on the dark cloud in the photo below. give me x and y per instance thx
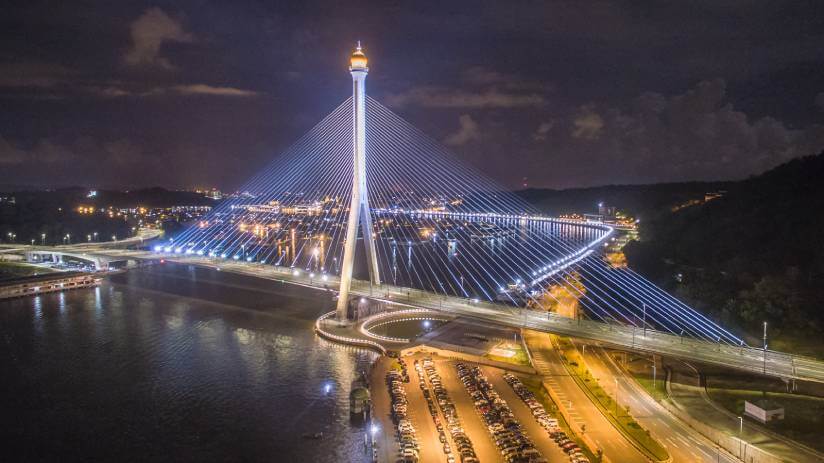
(441, 97)
(587, 123)
(543, 130)
(149, 32)
(467, 131)
(201, 89)
(43, 153)
(33, 74)
(695, 135)
(566, 93)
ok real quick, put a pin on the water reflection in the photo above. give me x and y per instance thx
(201, 365)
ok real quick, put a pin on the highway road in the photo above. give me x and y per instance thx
(625, 337)
(547, 362)
(687, 394)
(682, 442)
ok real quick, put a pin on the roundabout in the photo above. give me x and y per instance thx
(391, 330)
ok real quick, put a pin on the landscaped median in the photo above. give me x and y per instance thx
(619, 416)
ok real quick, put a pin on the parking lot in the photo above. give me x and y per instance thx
(452, 426)
(540, 437)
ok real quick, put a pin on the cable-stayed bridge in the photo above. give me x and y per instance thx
(367, 204)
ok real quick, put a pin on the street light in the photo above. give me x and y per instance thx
(373, 431)
(740, 435)
(43, 238)
(645, 319)
(765, 347)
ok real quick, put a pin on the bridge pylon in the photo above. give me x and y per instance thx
(359, 205)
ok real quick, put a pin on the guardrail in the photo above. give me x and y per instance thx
(344, 339)
(744, 358)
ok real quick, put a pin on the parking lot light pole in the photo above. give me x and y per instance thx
(645, 319)
(765, 347)
(740, 436)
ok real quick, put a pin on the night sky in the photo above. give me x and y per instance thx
(567, 93)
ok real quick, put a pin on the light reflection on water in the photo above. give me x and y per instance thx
(175, 364)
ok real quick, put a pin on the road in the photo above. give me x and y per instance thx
(581, 410)
(682, 442)
(690, 397)
(624, 337)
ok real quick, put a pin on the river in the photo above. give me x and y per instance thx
(175, 363)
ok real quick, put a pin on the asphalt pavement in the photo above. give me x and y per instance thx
(581, 410)
(682, 442)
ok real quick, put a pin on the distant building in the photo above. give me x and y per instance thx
(764, 410)
(605, 210)
(709, 196)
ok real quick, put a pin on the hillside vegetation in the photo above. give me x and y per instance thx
(754, 255)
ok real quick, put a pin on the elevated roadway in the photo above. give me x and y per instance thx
(744, 358)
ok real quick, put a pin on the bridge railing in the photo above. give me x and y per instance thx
(742, 357)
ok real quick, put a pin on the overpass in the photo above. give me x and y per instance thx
(627, 337)
(84, 252)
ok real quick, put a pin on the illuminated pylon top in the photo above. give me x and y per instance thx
(358, 62)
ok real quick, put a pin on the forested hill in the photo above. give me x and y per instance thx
(756, 254)
(642, 201)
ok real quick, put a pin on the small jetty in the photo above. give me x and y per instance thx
(47, 283)
(360, 400)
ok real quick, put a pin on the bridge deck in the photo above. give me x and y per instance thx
(743, 358)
